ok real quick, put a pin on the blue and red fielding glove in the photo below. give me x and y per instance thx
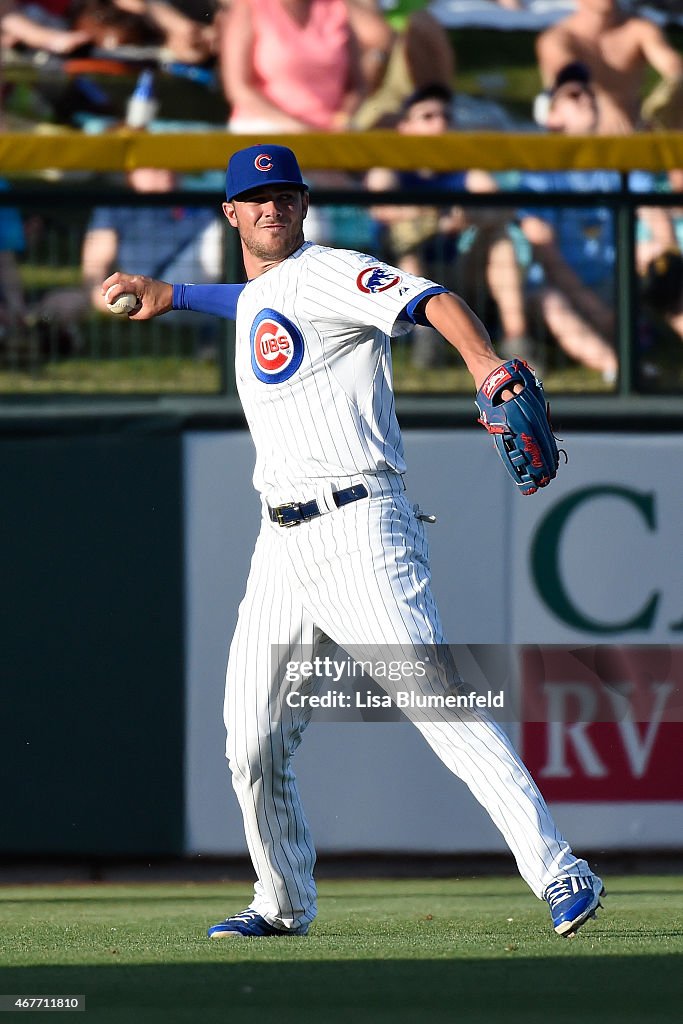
(520, 425)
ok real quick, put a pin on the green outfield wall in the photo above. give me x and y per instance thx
(92, 643)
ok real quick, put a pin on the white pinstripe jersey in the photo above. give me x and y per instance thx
(313, 366)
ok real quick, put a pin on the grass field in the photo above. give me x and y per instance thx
(174, 375)
(145, 375)
(471, 950)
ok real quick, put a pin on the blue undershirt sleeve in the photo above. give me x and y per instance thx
(216, 299)
(415, 315)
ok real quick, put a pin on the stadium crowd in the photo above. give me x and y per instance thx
(544, 277)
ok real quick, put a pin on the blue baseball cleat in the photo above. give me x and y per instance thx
(572, 901)
(249, 924)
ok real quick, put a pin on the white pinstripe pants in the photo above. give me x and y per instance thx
(359, 575)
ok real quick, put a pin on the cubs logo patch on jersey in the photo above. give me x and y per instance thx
(277, 347)
(376, 279)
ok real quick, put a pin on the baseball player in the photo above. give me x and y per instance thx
(341, 553)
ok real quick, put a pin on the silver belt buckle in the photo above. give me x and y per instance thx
(280, 520)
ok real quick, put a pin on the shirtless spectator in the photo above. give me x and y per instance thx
(617, 49)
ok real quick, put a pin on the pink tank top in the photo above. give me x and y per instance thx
(303, 70)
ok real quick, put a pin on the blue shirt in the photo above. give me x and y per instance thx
(453, 181)
(150, 238)
(585, 235)
(11, 227)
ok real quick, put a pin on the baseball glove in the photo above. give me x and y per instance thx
(520, 425)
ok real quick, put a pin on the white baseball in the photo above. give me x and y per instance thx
(123, 305)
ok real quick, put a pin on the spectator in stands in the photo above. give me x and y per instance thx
(617, 49)
(675, 184)
(290, 65)
(170, 242)
(188, 28)
(12, 302)
(42, 25)
(374, 38)
(662, 293)
(574, 249)
(662, 289)
(425, 240)
(413, 50)
(661, 267)
(190, 35)
(185, 29)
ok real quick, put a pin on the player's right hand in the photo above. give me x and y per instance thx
(156, 296)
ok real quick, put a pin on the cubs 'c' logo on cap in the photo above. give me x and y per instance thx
(263, 162)
(277, 347)
(376, 279)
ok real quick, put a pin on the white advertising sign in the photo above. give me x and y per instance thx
(593, 559)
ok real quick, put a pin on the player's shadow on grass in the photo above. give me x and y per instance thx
(588, 984)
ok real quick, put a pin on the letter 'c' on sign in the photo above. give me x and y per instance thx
(545, 560)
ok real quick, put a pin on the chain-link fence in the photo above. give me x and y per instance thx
(582, 286)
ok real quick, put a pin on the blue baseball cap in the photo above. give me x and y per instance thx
(261, 165)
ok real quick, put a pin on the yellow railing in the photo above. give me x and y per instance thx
(495, 151)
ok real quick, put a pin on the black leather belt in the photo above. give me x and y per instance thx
(294, 512)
